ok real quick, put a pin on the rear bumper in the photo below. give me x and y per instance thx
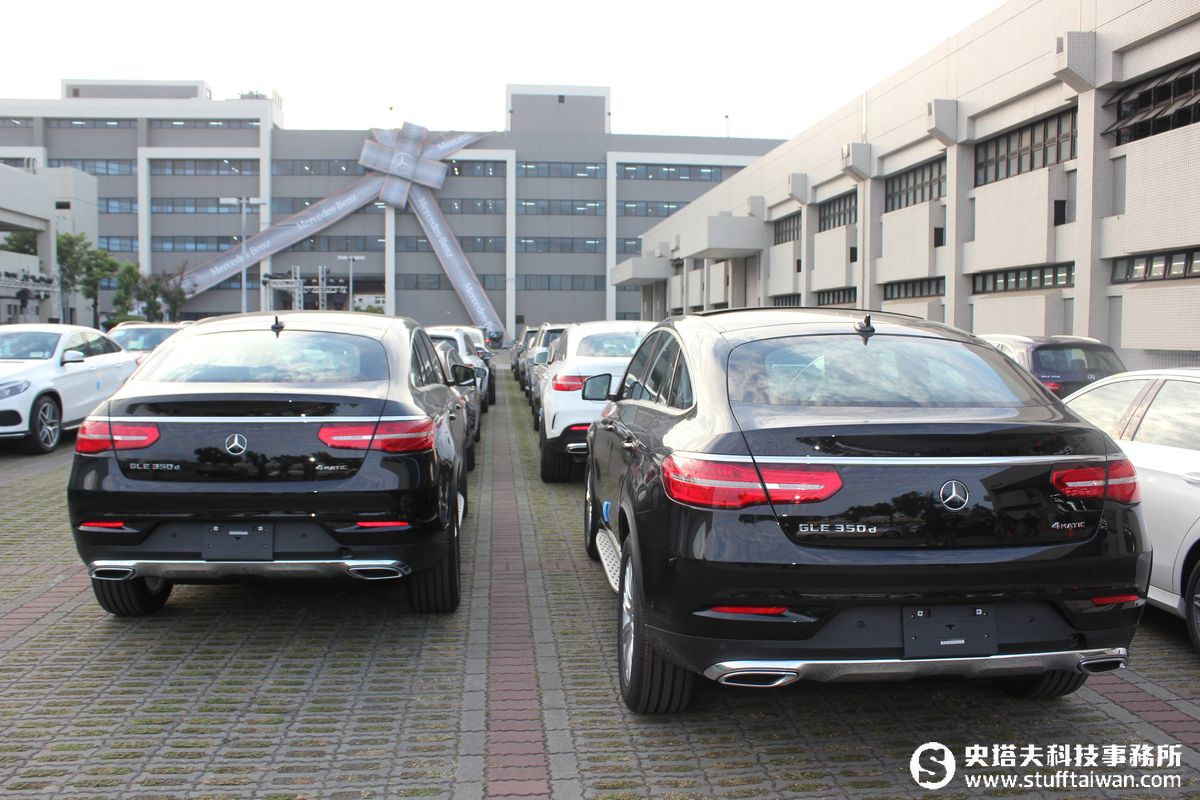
(366, 569)
(769, 673)
(570, 442)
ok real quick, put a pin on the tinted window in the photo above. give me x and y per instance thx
(552, 337)
(435, 374)
(636, 373)
(896, 371)
(1171, 419)
(1105, 406)
(681, 386)
(1076, 359)
(261, 356)
(449, 339)
(608, 345)
(141, 338)
(94, 345)
(28, 345)
(658, 379)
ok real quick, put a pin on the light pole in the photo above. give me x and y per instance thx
(351, 259)
(243, 202)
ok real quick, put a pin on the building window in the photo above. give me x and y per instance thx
(16, 122)
(837, 212)
(560, 169)
(925, 287)
(1162, 102)
(1025, 279)
(837, 297)
(430, 281)
(207, 124)
(669, 172)
(649, 208)
(117, 244)
(915, 186)
(559, 244)
(204, 166)
(562, 208)
(561, 283)
(787, 229)
(196, 205)
(477, 169)
(97, 166)
(629, 247)
(117, 205)
(786, 301)
(91, 123)
(632, 315)
(471, 205)
(339, 244)
(192, 244)
(316, 166)
(1050, 140)
(1157, 266)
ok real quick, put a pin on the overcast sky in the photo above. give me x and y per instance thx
(674, 67)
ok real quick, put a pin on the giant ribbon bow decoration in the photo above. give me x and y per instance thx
(405, 166)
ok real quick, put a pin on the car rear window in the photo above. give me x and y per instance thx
(1067, 359)
(886, 371)
(263, 357)
(609, 345)
(27, 345)
(141, 338)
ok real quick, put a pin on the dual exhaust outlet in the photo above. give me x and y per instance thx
(363, 569)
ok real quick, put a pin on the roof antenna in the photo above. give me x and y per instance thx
(865, 329)
(278, 326)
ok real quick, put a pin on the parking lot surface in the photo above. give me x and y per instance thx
(336, 689)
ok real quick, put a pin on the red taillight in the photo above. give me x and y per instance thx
(404, 436)
(382, 524)
(722, 484)
(101, 524)
(98, 436)
(567, 383)
(578, 427)
(766, 611)
(1116, 480)
(1116, 599)
(1053, 386)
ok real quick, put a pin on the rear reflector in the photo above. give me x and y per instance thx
(723, 484)
(404, 436)
(567, 383)
(98, 436)
(101, 524)
(1116, 599)
(765, 611)
(1116, 480)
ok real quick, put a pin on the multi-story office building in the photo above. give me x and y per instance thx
(1039, 173)
(542, 209)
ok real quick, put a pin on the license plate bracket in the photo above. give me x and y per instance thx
(239, 541)
(949, 631)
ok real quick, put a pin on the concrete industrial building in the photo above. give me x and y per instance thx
(1039, 173)
(543, 209)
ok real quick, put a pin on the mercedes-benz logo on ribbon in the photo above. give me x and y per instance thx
(235, 444)
(954, 495)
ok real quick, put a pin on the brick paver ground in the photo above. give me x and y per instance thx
(336, 689)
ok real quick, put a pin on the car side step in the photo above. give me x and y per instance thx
(610, 557)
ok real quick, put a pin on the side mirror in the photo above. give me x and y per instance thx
(462, 375)
(541, 357)
(596, 388)
(72, 357)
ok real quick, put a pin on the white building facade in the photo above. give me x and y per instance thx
(1039, 173)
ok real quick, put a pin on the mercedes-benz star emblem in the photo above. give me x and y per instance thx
(954, 495)
(235, 444)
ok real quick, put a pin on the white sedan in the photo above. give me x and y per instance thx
(52, 376)
(1152, 415)
(585, 349)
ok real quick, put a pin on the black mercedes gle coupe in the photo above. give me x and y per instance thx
(784, 494)
(291, 445)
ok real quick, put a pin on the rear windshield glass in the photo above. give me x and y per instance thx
(263, 357)
(1066, 359)
(609, 345)
(529, 337)
(141, 338)
(450, 340)
(893, 371)
(27, 345)
(552, 337)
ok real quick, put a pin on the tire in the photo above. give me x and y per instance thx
(591, 518)
(135, 597)
(649, 683)
(537, 420)
(483, 404)
(1192, 615)
(555, 467)
(471, 457)
(45, 426)
(491, 393)
(479, 431)
(436, 590)
(1048, 685)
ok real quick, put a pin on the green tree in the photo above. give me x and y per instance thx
(169, 290)
(73, 250)
(129, 289)
(98, 265)
(24, 242)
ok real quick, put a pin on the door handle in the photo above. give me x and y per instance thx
(629, 444)
(1192, 477)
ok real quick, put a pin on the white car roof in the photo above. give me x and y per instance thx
(47, 327)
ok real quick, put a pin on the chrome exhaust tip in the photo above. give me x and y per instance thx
(758, 678)
(112, 573)
(375, 573)
(1095, 666)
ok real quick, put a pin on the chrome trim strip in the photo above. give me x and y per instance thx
(252, 420)
(185, 569)
(902, 669)
(899, 461)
